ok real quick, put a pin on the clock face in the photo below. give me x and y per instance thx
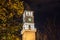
(29, 19)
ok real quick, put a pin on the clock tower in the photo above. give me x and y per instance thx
(29, 30)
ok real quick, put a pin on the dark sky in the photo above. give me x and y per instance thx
(46, 11)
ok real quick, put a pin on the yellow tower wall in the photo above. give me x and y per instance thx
(28, 35)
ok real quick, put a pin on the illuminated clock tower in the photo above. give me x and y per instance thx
(29, 30)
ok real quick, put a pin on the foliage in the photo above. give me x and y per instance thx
(10, 19)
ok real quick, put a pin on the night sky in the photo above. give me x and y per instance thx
(46, 12)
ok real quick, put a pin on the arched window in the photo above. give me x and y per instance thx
(29, 27)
